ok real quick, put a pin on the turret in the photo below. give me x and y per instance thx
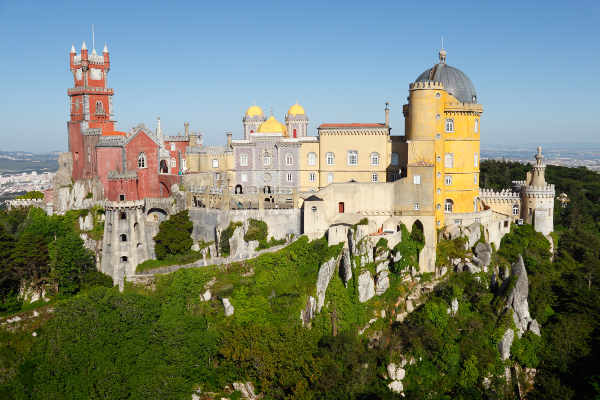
(186, 126)
(539, 170)
(84, 52)
(387, 114)
(106, 57)
(72, 54)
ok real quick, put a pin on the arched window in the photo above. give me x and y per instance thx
(374, 159)
(449, 125)
(142, 160)
(448, 204)
(267, 159)
(476, 125)
(448, 180)
(330, 157)
(99, 108)
(312, 159)
(395, 159)
(515, 210)
(123, 237)
(289, 159)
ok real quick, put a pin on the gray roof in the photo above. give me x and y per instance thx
(454, 80)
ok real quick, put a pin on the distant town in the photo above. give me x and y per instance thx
(21, 172)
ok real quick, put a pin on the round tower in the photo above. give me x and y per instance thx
(538, 197)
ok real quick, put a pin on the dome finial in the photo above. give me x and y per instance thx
(442, 53)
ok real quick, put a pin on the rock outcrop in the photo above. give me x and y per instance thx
(346, 266)
(382, 279)
(325, 273)
(483, 254)
(228, 307)
(517, 298)
(246, 390)
(366, 287)
(309, 311)
(396, 373)
(505, 344)
(239, 248)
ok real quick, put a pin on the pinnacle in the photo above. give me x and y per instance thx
(105, 48)
(73, 49)
(83, 46)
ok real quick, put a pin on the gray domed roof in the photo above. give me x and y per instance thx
(454, 80)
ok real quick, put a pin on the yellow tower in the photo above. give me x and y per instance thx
(442, 125)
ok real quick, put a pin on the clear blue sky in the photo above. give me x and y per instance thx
(534, 64)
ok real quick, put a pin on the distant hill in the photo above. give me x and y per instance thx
(15, 162)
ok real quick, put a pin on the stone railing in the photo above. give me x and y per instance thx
(177, 138)
(122, 175)
(163, 203)
(115, 205)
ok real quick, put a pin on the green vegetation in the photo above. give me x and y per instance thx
(34, 194)
(226, 234)
(174, 236)
(179, 259)
(409, 248)
(45, 251)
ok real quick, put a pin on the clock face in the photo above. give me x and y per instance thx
(95, 74)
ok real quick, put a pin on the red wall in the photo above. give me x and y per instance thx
(109, 159)
(76, 148)
(148, 185)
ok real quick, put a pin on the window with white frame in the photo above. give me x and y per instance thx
(449, 160)
(352, 157)
(142, 160)
(173, 148)
(330, 158)
(449, 125)
(417, 206)
(173, 163)
(244, 177)
(330, 177)
(244, 160)
(448, 205)
(475, 179)
(267, 159)
(417, 179)
(395, 159)
(312, 177)
(374, 177)
(448, 180)
(215, 163)
(289, 159)
(99, 108)
(515, 210)
(312, 159)
(374, 159)
(475, 160)
(183, 164)
(289, 176)
(476, 125)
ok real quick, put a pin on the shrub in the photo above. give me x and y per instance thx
(34, 194)
(257, 230)
(225, 236)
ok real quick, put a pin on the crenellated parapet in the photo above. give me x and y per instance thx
(120, 205)
(505, 196)
(547, 191)
(426, 85)
(122, 175)
(23, 203)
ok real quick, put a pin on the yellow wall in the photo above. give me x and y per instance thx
(365, 143)
(305, 184)
(202, 162)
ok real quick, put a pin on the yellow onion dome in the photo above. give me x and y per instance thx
(254, 111)
(271, 125)
(296, 109)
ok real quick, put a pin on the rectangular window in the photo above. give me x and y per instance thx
(312, 177)
(475, 160)
(330, 177)
(172, 146)
(475, 179)
(173, 163)
(448, 180)
(312, 159)
(244, 177)
(417, 206)
(215, 163)
(330, 159)
(476, 125)
(374, 177)
(417, 179)
(449, 160)
(289, 177)
(375, 159)
(352, 157)
(341, 207)
(449, 125)
(244, 160)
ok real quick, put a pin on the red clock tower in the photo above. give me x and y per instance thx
(91, 108)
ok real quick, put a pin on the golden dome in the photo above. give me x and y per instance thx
(254, 111)
(271, 125)
(296, 109)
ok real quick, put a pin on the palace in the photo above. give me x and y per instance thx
(278, 172)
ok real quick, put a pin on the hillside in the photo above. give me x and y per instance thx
(172, 338)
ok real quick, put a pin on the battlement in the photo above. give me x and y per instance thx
(505, 194)
(22, 203)
(92, 132)
(111, 141)
(122, 175)
(177, 139)
(120, 205)
(90, 89)
(426, 85)
(540, 191)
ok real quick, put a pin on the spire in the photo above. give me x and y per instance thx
(83, 46)
(442, 55)
(93, 41)
(159, 134)
(73, 49)
(105, 48)
(94, 52)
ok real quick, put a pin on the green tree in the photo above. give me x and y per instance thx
(174, 236)
(69, 262)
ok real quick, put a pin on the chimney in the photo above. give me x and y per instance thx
(387, 114)
(187, 129)
(229, 134)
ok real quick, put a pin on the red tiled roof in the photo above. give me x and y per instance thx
(352, 125)
(114, 133)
